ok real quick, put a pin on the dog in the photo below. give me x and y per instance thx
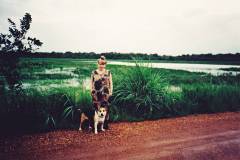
(95, 117)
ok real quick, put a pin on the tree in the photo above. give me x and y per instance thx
(12, 45)
(17, 41)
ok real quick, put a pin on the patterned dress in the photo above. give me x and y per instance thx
(101, 84)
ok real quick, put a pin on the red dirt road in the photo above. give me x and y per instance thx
(195, 137)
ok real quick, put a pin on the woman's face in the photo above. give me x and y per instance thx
(101, 65)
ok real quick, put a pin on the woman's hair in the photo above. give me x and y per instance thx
(102, 60)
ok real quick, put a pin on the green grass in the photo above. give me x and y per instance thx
(139, 93)
(209, 98)
(231, 69)
(34, 109)
(140, 90)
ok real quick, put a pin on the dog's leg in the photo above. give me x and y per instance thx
(80, 124)
(105, 123)
(102, 127)
(95, 122)
(82, 118)
(95, 127)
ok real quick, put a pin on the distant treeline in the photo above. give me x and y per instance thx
(115, 55)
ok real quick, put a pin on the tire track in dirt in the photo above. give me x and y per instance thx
(185, 148)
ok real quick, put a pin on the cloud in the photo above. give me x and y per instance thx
(149, 26)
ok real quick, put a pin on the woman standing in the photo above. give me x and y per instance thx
(101, 87)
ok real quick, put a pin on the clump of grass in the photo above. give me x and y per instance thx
(231, 69)
(76, 100)
(208, 98)
(140, 90)
(40, 110)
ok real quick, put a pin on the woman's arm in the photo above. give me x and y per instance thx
(111, 83)
(91, 83)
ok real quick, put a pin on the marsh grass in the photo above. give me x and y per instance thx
(140, 93)
(231, 69)
(45, 76)
(42, 110)
(76, 101)
(209, 98)
(140, 90)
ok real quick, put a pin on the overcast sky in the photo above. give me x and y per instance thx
(170, 27)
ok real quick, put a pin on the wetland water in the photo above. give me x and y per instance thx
(77, 81)
(214, 69)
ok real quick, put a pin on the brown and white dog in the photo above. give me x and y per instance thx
(95, 117)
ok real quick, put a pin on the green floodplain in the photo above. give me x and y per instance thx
(54, 89)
